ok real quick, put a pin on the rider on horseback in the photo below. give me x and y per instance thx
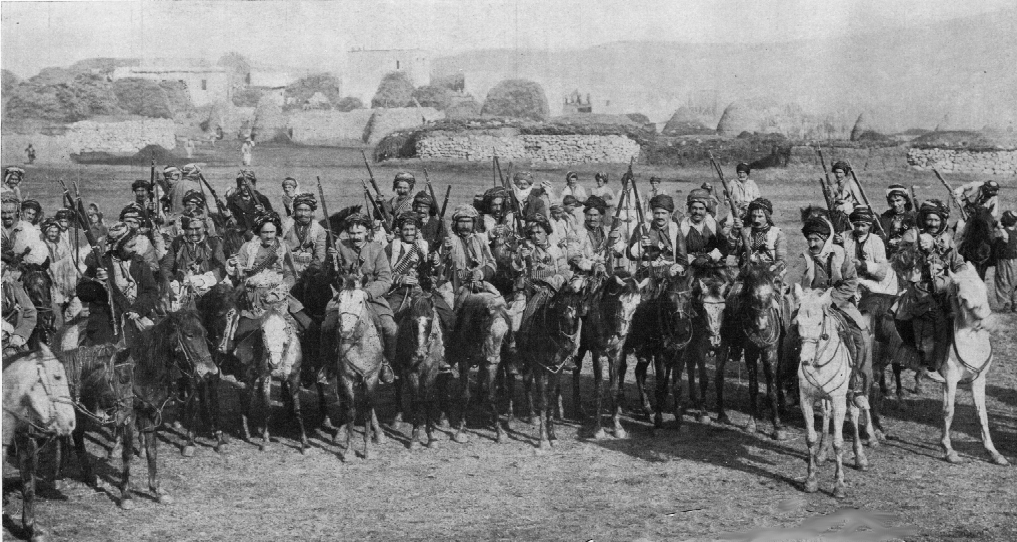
(146, 242)
(407, 254)
(922, 314)
(358, 257)
(194, 259)
(762, 242)
(429, 226)
(706, 244)
(544, 268)
(19, 315)
(597, 241)
(869, 254)
(899, 219)
(657, 246)
(826, 265)
(244, 207)
(306, 238)
(979, 194)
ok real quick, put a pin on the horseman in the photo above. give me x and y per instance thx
(498, 217)
(706, 243)
(657, 246)
(143, 199)
(134, 289)
(979, 194)
(825, 265)
(428, 224)
(306, 239)
(564, 226)
(180, 186)
(762, 241)
(194, 258)
(544, 268)
(19, 315)
(31, 212)
(466, 258)
(743, 189)
(922, 313)
(148, 243)
(9, 217)
(846, 194)
(899, 219)
(534, 199)
(402, 202)
(596, 242)
(869, 255)
(13, 176)
(366, 261)
(244, 206)
(61, 263)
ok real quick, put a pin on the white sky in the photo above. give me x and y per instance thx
(317, 34)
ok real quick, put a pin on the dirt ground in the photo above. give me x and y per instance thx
(706, 482)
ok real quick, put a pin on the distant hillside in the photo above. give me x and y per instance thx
(952, 75)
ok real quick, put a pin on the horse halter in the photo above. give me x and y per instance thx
(47, 387)
(189, 355)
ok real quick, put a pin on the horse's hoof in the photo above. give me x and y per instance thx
(723, 419)
(750, 427)
(263, 447)
(873, 443)
(620, 434)
(705, 419)
(839, 492)
(953, 458)
(658, 421)
(460, 438)
(820, 459)
(811, 485)
(38, 537)
(60, 485)
(165, 498)
(127, 504)
(187, 451)
(1000, 460)
(543, 447)
(221, 448)
(599, 434)
(398, 418)
(414, 445)
(780, 434)
(378, 438)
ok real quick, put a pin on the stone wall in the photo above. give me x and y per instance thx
(121, 138)
(557, 149)
(964, 161)
(325, 127)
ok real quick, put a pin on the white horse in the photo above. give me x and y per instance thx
(970, 355)
(823, 375)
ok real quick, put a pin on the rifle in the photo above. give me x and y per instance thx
(494, 169)
(914, 198)
(827, 193)
(957, 200)
(866, 200)
(723, 181)
(377, 190)
(441, 219)
(82, 220)
(377, 208)
(427, 179)
(220, 205)
(324, 210)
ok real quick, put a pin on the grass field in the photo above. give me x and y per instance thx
(704, 483)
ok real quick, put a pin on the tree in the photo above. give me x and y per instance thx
(142, 97)
(238, 69)
(395, 90)
(302, 90)
(516, 98)
(439, 98)
(349, 103)
(9, 81)
(52, 96)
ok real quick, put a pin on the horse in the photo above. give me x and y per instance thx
(551, 338)
(662, 329)
(359, 354)
(419, 351)
(753, 325)
(36, 404)
(823, 375)
(709, 300)
(605, 328)
(970, 355)
(38, 284)
(127, 387)
(976, 239)
(313, 289)
(482, 324)
(888, 348)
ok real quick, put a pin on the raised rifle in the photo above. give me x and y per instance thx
(727, 189)
(82, 218)
(427, 179)
(441, 217)
(370, 175)
(328, 222)
(957, 200)
(377, 208)
(827, 192)
(914, 197)
(218, 202)
(866, 200)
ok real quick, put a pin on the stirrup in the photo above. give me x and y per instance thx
(932, 375)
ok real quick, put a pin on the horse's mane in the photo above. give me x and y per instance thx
(421, 306)
(154, 348)
(712, 278)
(976, 244)
(337, 221)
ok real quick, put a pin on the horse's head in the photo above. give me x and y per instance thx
(678, 295)
(215, 305)
(811, 320)
(39, 287)
(54, 381)
(190, 343)
(759, 294)
(352, 303)
(565, 309)
(426, 328)
(277, 337)
(711, 295)
(623, 295)
(36, 391)
(969, 294)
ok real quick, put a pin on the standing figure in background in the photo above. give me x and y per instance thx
(189, 147)
(604, 192)
(1005, 281)
(290, 188)
(846, 194)
(246, 152)
(573, 188)
(13, 176)
(30, 151)
(743, 189)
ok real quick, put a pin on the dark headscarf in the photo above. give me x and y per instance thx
(404, 176)
(195, 196)
(247, 174)
(817, 225)
(841, 165)
(539, 220)
(32, 204)
(358, 218)
(141, 183)
(407, 218)
(662, 201)
(1008, 219)
(861, 213)
(598, 203)
(305, 198)
(761, 203)
(265, 218)
(934, 207)
(743, 167)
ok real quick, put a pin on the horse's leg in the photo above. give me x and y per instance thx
(464, 402)
(978, 393)
(597, 359)
(559, 401)
(78, 436)
(811, 439)
(427, 408)
(770, 371)
(126, 497)
(28, 462)
(490, 371)
(378, 435)
(722, 357)
(704, 385)
(248, 396)
(265, 390)
(510, 392)
(751, 362)
(897, 370)
(210, 402)
(839, 408)
(410, 384)
(542, 407)
(577, 404)
(326, 421)
(553, 382)
(349, 414)
(191, 415)
(642, 364)
(662, 376)
(824, 435)
(294, 381)
(949, 396)
(61, 449)
(861, 462)
(616, 382)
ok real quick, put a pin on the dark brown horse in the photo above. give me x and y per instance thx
(709, 299)
(419, 352)
(605, 328)
(661, 330)
(976, 241)
(551, 337)
(753, 325)
(39, 286)
(129, 388)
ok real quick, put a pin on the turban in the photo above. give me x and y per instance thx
(117, 234)
(569, 200)
(247, 174)
(170, 171)
(305, 198)
(701, 195)
(423, 197)
(571, 175)
(406, 177)
(761, 203)
(861, 213)
(131, 211)
(555, 207)
(50, 223)
(600, 176)
(896, 189)
(194, 196)
(186, 218)
(654, 179)
(539, 220)
(743, 167)
(933, 207)
(13, 171)
(598, 203)
(90, 291)
(358, 219)
(817, 226)
(191, 171)
(464, 211)
(841, 165)
(141, 183)
(990, 188)
(662, 201)
(31, 204)
(1008, 219)
(64, 214)
(407, 218)
(523, 176)
(266, 218)
(290, 180)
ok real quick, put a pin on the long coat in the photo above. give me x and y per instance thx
(371, 264)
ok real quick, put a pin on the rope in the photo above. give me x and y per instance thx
(809, 374)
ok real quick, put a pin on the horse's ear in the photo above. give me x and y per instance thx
(643, 283)
(797, 291)
(45, 350)
(701, 284)
(827, 297)
(618, 280)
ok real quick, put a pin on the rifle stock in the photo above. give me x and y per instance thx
(328, 222)
(379, 211)
(218, 202)
(957, 200)
(827, 193)
(727, 188)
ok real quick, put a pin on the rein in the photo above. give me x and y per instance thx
(553, 334)
(975, 370)
(46, 387)
(764, 341)
(810, 375)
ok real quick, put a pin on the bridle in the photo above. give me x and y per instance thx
(47, 387)
(823, 339)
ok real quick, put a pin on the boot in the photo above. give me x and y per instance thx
(304, 320)
(387, 375)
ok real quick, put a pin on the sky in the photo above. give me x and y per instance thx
(317, 34)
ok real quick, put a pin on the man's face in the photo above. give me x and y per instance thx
(132, 223)
(267, 234)
(53, 234)
(697, 211)
(839, 175)
(660, 217)
(572, 181)
(933, 222)
(191, 206)
(523, 184)
(758, 218)
(28, 214)
(289, 189)
(655, 186)
(14, 181)
(303, 214)
(402, 188)
(172, 178)
(408, 233)
(497, 204)
(195, 231)
(815, 242)
(743, 176)
(9, 215)
(601, 181)
(422, 209)
(898, 202)
(93, 214)
(568, 208)
(65, 224)
(593, 218)
(140, 194)
(464, 226)
(557, 213)
(357, 234)
(861, 229)
(537, 235)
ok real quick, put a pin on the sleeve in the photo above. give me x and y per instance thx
(264, 201)
(780, 247)
(167, 261)
(29, 316)
(680, 253)
(844, 290)
(633, 245)
(321, 245)
(288, 269)
(148, 290)
(242, 263)
(237, 212)
(879, 266)
(381, 283)
(488, 267)
(218, 263)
